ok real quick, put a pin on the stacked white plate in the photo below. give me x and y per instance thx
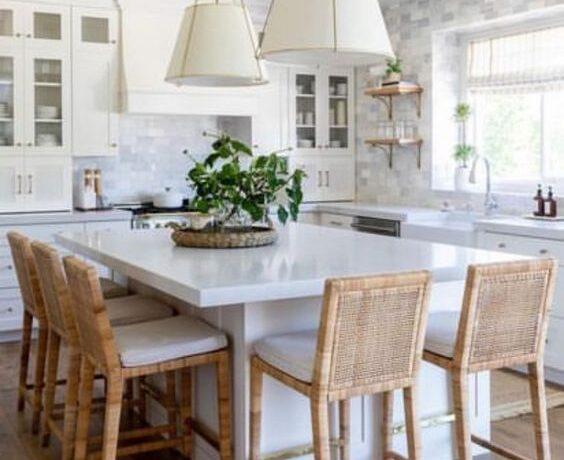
(47, 140)
(4, 111)
(47, 112)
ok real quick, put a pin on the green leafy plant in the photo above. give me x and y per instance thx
(462, 112)
(232, 184)
(393, 66)
(463, 153)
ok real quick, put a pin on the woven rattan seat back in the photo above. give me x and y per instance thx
(55, 291)
(505, 313)
(26, 272)
(372, 332)
(94, 330)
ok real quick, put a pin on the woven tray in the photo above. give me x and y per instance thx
(247, 238)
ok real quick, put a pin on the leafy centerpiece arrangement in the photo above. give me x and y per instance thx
(234, 193)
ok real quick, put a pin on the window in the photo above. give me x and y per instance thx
(515, 84)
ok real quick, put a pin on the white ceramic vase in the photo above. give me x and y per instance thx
(462, 179)
(394, 77)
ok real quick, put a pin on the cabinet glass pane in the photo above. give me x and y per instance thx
(305, 111)
(6, 23)
(48, 103)
(338, 112)
(6, 101)
(47, 26)
(95, 30)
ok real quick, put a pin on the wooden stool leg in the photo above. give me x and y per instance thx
(538, 400)
(387, 439)
(24, 358)
(85, 404)
(130, 398)
(112, 416)
(256, 411)
(345, 428)
(224, 406)
(320, 427)
(71, 403)
(53, 349)
(462, 416)
(142, 395)
(171, 401)
(39, 379)
(413, 430)
(186, 411)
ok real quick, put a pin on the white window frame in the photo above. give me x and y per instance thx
(523, 186)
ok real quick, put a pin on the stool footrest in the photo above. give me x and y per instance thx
(496, 449)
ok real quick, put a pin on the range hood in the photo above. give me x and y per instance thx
(149, 30)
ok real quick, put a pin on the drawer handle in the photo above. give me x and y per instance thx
(543, 251)
(334, 222)
(8, 310)
(501, 245)
(9, 267)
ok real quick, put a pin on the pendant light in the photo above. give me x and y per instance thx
(331, 32)
(216, 46)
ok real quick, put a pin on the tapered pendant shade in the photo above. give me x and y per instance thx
(335, 32)
(216, 46)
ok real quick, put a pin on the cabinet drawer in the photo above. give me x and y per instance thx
(8, 277)
(554, 355)
(535, 247)
(336, 220)
(11, 304)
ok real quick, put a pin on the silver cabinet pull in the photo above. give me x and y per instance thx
(337, 224)
(19, 190)
(319, 179)
(501, 245)
(9, 267)
(18, 144)
(7, 310)
(113, 145)
(30, 184)
(30, 144)
(326, 178)
(28, 35)
(17, 35)
(543, 251)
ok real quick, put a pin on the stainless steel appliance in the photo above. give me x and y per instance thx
(146, 216)
(384, 227)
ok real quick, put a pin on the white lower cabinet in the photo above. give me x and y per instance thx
(328, 178)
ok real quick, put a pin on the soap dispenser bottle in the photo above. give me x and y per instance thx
(550, 209)
(539, 198)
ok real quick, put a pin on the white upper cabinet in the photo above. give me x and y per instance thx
(95, 65)
(34, 79)
(321, 111)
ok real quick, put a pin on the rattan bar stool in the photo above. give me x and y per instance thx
(34, 308)
(62, 331)
(370, 341)
(123, 353)
(503, 323)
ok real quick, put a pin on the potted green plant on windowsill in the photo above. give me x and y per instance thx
(234, 192)
(463, 152)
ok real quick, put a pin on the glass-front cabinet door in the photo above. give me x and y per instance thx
(48, 27)
(11, 101)
(340, 102)
(306, 104)
(47, 103)
(12, 22)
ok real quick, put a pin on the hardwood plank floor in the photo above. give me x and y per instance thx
(17, 443)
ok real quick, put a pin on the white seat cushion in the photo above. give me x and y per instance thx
(293, 353)
(442, 328)
(136, 309)
(165, 340)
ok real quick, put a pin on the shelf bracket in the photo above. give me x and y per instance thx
(388, 102)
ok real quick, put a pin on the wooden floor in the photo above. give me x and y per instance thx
(16, 442)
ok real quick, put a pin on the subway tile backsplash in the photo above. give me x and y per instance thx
(150, 156)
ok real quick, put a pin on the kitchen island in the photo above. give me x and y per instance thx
(252, 293)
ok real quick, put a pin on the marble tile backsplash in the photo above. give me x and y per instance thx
(150, 156)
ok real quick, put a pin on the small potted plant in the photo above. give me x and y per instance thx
(234, 192)
(393, 71)
(463, 152)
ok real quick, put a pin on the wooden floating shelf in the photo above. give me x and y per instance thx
(386, 95)
(387, 145)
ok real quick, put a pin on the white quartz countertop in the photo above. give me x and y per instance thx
(523, 227)
(64, 217)
(295, 267)
(401, 213)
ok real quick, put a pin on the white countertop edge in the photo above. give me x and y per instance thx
(114, 215)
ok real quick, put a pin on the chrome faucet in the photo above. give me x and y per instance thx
(490, 204)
